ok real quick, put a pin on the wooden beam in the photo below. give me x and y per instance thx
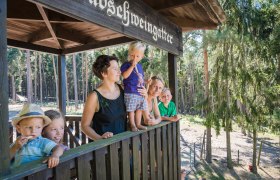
(144, 23)
(26, 11)
(34, 47)
(62, 34)
(97, 45)
(173, 4)
(4, 112)
(40, 35)
(62, 83)
(48, 24)
(172, 76)
(190, 24)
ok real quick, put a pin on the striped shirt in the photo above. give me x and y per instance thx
(33, 150)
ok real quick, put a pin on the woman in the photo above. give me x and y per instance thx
(154, 90)
(104, 113)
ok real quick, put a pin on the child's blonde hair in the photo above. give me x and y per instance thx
(165, 90)
(136, 45)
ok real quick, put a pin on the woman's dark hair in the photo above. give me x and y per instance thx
(101, 64)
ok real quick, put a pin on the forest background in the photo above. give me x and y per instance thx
(229, 75)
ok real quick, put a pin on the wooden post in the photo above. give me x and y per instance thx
(238, 157)
(172, 76)
(260, 150)
(193, 154)
(62, 83)
(4, 112)
(202, 145)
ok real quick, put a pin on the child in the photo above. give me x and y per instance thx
(166, 107)
(133, 75)
(31, 145)
(55, 130)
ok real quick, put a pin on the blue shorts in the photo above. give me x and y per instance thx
(134, 102)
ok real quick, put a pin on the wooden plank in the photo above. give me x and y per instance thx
(152, 154)
(172, 4)
(42, 175)
(84, 138)
(174, 150)
(48, 24)
(178, 149)
(26, 11)
(169, 152)
(144, 154)
(114, 162)
(61, 33)
(62, 83)
(172, 77)
(4, 112)
(34, 47)
(71, 139)
(62, 171)
(164, 153)
(77, 130)
(100, 164)
(144, 23)
(101, 44)
(125, 161)
(83, 166)
(135, 157)
(159, 169)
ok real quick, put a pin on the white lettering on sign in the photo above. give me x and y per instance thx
(127, 17)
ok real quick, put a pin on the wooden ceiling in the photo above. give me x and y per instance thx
(33, 24)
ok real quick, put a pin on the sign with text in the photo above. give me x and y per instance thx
(132, 18)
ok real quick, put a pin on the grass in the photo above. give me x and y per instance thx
(205, 171)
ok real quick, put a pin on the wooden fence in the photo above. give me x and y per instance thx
(151, 154)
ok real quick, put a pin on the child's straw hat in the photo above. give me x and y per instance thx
(29, 111)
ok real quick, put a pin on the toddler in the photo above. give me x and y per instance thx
(30, 145)
(133, 75)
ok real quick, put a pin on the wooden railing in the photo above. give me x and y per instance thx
(150, 154)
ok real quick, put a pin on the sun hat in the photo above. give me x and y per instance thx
(29, 111)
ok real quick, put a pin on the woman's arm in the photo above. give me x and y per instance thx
(155, 118)
(89, 110)
(156, 112)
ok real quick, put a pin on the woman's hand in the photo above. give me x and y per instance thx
(143, 91)
(107, 135)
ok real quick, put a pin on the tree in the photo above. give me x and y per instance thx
(29, 78)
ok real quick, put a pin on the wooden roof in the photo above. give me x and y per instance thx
(33, 24)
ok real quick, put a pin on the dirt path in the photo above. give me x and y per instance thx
(269, 163)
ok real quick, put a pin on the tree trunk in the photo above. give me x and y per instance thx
(229, 160)
(41, 81)
(13, 88)
(29, 78)
(56, 82)
(83, 77)
(35, 78)
(255, 170)
(206, 97)
(191, 90)
(67, 93)
(182, 99)
(86, 64)
(75, 82)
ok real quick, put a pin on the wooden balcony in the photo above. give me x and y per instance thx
(150, 154)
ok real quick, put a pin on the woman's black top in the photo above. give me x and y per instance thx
(111, 116)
